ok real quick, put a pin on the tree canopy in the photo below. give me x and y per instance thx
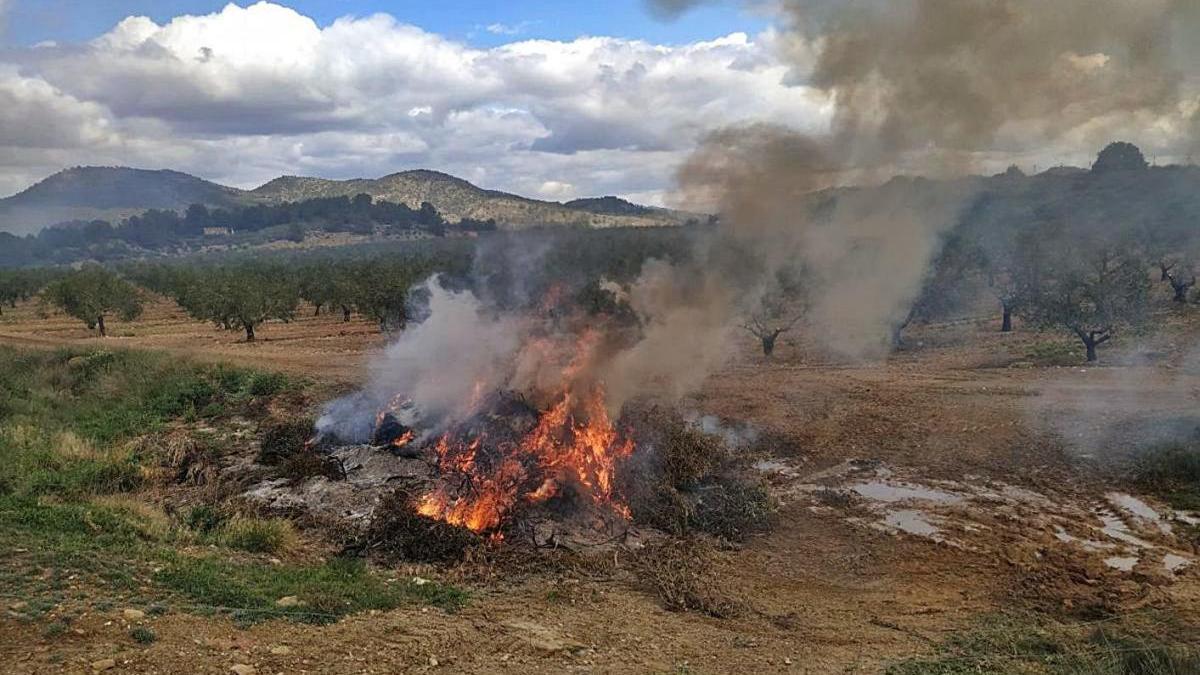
(92, 293)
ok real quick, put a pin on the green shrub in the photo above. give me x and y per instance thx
(258, 535)
(267, 384)
(205, 519)
(142, 635)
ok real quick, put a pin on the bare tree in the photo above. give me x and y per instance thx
(768, 333)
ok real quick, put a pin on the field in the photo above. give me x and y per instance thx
(964, 507)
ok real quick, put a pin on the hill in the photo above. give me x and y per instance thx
(457, 199)
(115, 193)
(107, 193)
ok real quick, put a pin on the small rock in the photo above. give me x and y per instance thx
(243, 669)
(133, 614)
(433, 662)
(281, 650)
(289, 601)
(418, 581)
(19, 606)
(104, 664)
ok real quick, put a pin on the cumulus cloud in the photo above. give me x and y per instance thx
(246, 93)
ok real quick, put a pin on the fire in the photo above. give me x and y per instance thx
(574, 447)
(404, 439)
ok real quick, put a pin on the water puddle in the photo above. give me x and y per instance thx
(912, 522)
(1088, 544)
(1117, 529)
(880, 491)
(1174, 563)
(1139, 509)
(1123, 563)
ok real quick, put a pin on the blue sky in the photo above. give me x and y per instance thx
(33, 21)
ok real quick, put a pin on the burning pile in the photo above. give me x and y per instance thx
(501, 453)
(510, 455)
(502, 422)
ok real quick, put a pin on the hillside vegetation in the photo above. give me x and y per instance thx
(115, 193)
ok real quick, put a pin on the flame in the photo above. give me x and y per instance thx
(404, 439)
(574, 448)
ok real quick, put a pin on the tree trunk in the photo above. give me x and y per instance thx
(768, 345)
(1091, 350)
(345, 314)
(1006, 323)
(317, 312)
(100, 326)
(249, 332)
(1180, 292)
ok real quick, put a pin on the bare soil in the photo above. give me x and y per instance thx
(832, 588)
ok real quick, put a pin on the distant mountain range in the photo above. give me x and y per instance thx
(115, 193)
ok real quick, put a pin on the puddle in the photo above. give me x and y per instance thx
(1138, 508)
(1117, 529)
(1123, 563)
(1174, 563)
(894, 492)
(912, 522)
(1088, 544)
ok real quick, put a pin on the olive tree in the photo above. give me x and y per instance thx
(1093, 291)
(240, 297)
(381, 290)
(93, 293)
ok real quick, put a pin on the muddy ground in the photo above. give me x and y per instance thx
(961, 477)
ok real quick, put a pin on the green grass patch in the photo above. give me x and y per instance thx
(110, 396)
(325, 592)
(258, 535)
(71, 531)
(1148, 644)
(1055, 353)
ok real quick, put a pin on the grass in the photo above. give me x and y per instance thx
(1147, 644)
(76, 528)
(326, 591)
(1056, 352)
(258, 535)
(1172, 471)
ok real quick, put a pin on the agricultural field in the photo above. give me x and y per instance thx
(929, 514)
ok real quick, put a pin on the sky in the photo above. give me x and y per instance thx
(546, 98)
(553, 99)
(478, 22)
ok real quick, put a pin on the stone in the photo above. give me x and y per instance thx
(133, 614)
(289, 601)
(104, 664)
(281, 650)
(243, 669)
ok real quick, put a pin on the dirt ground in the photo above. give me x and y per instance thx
(915, 494)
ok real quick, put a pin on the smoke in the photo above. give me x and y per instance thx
(916, 87)
(440, 365)
(934, 88)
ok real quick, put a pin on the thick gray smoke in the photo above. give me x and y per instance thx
(935, 88)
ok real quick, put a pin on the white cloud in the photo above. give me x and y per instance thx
(508, 29)
(248, 93)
